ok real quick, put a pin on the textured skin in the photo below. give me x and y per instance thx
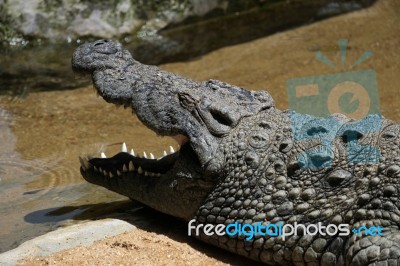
(249, 166)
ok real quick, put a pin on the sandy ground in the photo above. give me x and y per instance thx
(137, 247)
(262, 64)
(158, 240)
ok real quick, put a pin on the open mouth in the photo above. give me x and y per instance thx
(127, 163)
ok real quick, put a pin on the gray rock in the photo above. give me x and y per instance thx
(66, 238)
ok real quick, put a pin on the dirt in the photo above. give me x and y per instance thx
(137, 247)
(265, 63)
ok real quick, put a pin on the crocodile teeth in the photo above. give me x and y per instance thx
(84, 162)
(146, 173)
(103, 155)
(151, 156)
(110, 175)
(124, 149)
(81, 161)
(131, 166)
(124, 168)
(118, 173)
(140, 170)
(144, 155)
(171, 150)
(162, 156)
(95, 168)
(132, 152)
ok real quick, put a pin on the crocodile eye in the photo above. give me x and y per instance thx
(221, 118)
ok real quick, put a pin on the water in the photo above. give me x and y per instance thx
(41, 138)
(38, 65)
(43, 133)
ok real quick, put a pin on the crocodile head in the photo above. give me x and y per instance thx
(201, 115)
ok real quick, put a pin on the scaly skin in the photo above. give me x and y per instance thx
(248, 162)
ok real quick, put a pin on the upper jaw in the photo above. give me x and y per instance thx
(169, 104)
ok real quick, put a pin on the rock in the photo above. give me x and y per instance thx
(65, 238)
(37, 37)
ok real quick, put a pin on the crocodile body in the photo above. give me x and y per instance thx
(242, 160)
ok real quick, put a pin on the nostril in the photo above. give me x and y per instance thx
(100, 42)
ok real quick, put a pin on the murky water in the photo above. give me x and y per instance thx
(41, 138)
(42, 134)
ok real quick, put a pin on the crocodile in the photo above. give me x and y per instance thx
(244, 162)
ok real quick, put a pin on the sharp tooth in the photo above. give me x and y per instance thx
(103, 155)
(111, 175)
(124, 168)
(165, 153)
(145, 173)
(171, 150)
(118, 173)
(140, 170)
(82, 162)
(100, 170)
(151, 156)
(105, 173)
(88, 165)
(132, 152)
(144, 155)
(131, 166)
(95, 168)
(124, 149)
